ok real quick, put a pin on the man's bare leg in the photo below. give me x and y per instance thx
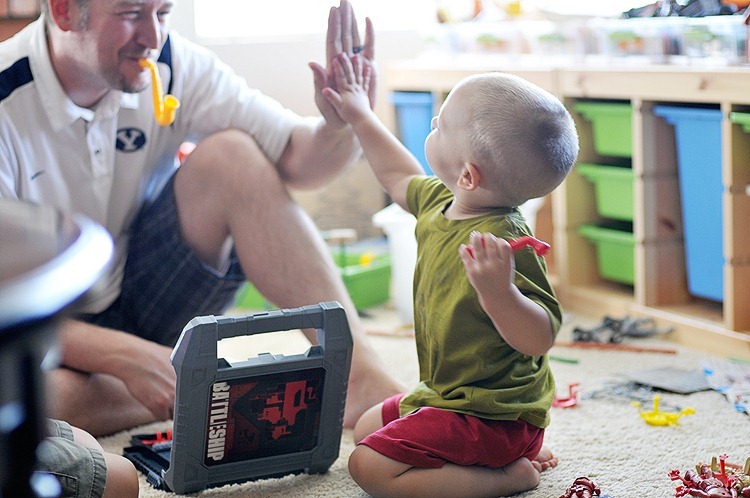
(99, 403)
(228, 187)
(111, 381)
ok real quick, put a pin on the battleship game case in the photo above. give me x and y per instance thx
(267, 416)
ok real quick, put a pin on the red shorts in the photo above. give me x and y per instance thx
(430, 437)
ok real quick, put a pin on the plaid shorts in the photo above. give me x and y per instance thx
(430, 437)
(165, 284)
(81, 471)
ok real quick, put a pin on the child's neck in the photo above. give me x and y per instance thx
(460, 211)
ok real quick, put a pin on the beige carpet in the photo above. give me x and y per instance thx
(602, 437)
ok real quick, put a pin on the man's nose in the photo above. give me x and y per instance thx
(149, 32)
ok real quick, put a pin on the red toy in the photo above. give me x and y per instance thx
(540, 247)
(712, 481)
(582, 487)
(570, 401)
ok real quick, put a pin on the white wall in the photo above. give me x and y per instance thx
(280, 69)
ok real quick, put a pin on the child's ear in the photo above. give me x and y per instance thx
(469, 177)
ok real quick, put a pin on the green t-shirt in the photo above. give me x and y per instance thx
(464, 363)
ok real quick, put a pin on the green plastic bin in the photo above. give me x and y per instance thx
(615, 250)
(613, 189)
(366, 275)
(742, 119)
(611, 125)
(248, 298)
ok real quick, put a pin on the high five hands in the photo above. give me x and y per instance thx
(343, 37)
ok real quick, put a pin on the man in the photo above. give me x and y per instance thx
(77, 131)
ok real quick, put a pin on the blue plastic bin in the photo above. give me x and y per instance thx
(413, 118)
(698, 140)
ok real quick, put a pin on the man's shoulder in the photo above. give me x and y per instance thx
(18, 46)
(15, 61)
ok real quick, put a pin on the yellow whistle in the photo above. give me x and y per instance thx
(164, 109)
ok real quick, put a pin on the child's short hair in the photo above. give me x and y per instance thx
(521, 137)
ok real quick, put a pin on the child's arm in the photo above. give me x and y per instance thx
(521, 322)
(393, 164)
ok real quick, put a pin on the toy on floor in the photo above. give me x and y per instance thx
(737, 479)
(659, 418)
(571, 400)
(618, 391)
(730, 378)
(741, 472)
(165, 109)
(714, 481)
(614, 347)
(242, 420)
(612, 330)
(583, 487)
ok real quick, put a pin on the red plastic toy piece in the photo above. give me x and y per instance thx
(570, 401)
(159, 437)
(722, 474)
(540, 247)
(713, 481)
(582, 487)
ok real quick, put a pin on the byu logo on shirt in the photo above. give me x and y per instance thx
(130, 139)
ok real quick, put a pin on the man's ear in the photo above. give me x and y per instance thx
(61, 13)
(469, 177)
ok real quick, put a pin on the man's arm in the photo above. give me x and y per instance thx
(319, 149)
(143, 366)
(316, 153)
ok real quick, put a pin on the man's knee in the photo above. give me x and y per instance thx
(228, 147)
(225, 161)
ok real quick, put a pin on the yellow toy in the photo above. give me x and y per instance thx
(164, 109)
(659, 418)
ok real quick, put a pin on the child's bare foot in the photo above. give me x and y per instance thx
(522, 475)
(544, 460)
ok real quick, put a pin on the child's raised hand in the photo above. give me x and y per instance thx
(352, 83)
(489, 263)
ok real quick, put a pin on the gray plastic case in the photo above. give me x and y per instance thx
(268, 416)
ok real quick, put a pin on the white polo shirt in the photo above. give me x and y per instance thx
(105, 162)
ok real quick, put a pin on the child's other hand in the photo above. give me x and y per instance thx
(352, 82)
(489, 263)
